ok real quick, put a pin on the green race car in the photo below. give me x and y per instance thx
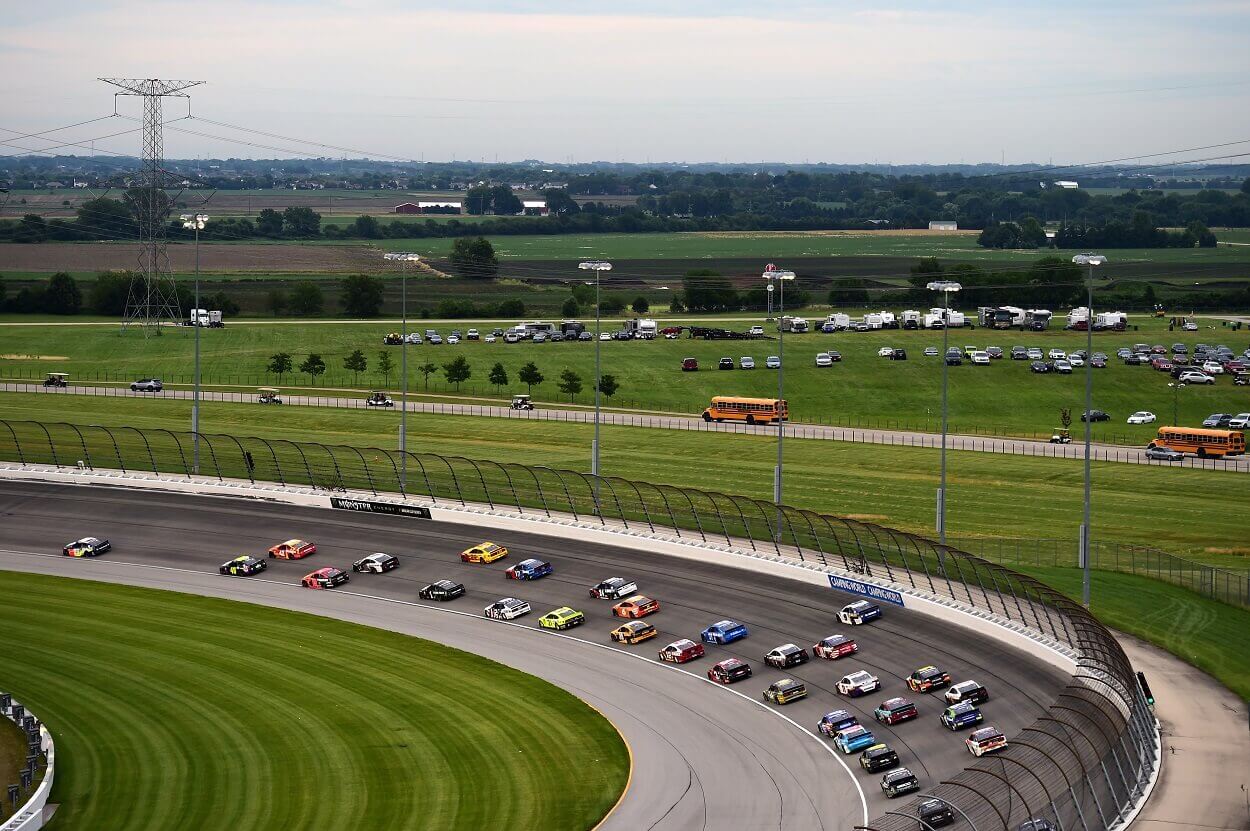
(562, 618)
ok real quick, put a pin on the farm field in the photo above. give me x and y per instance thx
(226, 698)
(1004, 398)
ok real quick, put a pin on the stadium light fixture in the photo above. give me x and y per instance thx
(945, 287)
(1090, 261)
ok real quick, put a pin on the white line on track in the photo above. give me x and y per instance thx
(829, 748)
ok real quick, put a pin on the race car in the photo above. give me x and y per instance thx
(961, 715)
(614, 588)
(861, 611)
(634, 632)
(878, 757)
(86, 547)
(935, 813)
(894, 710)
(243, 566)
(927, 679)
(859, 683)
(487, 552)
(832, 723)
(441, 590)
(679, 652)
(325, 578)
(854, 738)
(530, 569)
(985, 740)
(834, 647)
(377, 563)
(898, 782)
(785, 691)
(562, 618)
(293, 550)
(785, 656)
(724, 631)
(729, 670)
(967, 691)
(636, 606)
(507, 608)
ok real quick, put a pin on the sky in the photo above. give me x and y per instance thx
(701, 80)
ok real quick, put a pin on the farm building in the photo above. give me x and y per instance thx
(1066, 185)
(430, 208)
(534, 207)
(943, 225)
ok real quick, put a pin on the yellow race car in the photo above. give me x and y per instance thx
(562, 618)
(636, 631)
(486, 552)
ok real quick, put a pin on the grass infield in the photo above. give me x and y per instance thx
(176, 711)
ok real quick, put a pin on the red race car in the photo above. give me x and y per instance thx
(293, 550)
(636, 606)
(729, 670)
(834, 647)
(679, 652)
(325, 578)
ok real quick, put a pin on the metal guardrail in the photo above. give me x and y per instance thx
(40, 764)
(1084, 765)
(683, 421)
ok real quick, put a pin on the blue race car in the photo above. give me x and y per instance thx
(861, 611)
(529, 570)
(724, 631)
(833, 723)
(854, 738)
(961, 715)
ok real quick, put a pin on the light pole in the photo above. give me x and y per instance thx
(1088, 260)
(598, 267)
(1176, 389)
(403, 258)
(196, 222)
(946, 287)
(781, 277)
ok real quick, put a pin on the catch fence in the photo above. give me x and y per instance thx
(1083, 765)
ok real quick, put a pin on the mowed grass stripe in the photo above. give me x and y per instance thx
(173, 711)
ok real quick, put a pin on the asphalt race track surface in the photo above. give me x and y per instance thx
(705, 757)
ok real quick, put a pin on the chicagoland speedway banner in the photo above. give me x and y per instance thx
(380, 507)
(846, 584)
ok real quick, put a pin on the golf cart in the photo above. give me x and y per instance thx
(268, 395)
(393, 339)
(56, 379)
(379, 399)
(521, 402)
(1241, 379)
(1061, 436)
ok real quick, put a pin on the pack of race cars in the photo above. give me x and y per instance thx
(963, 699)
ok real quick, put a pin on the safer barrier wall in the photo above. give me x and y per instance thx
(1087, 764)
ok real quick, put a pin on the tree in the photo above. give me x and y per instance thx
(280, 365)
(705, 290)
(107, 295)
(367, 227)
(277, 301)
(356, 363)
(474, 258)
(570, 383)
(477, 200)
(511, 308)
(640, 305)
(612, 304)
(676, 305)
(561, 204)
(503, 201)
(139, 200)
(570, 308)
(223, 303)
(2, 292)
(498, 376)
(106, 217)
(301, 222)
(313, 367)
(608, 385)
(385, 366)
(269, 223)
(427, 369)
(457, 371)
(307, 299)
(530, 377)
(32, 228)
(62, 296)
(1245, 186)
(583, 294)
(362, 295)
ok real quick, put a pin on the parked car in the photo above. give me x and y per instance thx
(899, 354)
(756, 331)
(1192, 376)
(931, 352)
(746, 362)
(1019, 353)
(1034, 354)
(1240, 421)
(1142, 417)
(1095, 415)
(1213, 368)
(1063, 367)
(954, 359)
(689, 365)
(725, 363)
(147, 385)
(1039, 366)
(995, 352)
(823, 360)
(1057, 355)
(1164, 454)
(885, 351)
(980, 358)
(1217, 421)
(834, 355)
(772, 362)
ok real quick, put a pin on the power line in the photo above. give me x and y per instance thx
(365, 153)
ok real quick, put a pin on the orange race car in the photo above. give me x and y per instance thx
(636, 606)
(293, 550)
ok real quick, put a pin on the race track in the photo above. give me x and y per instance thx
(705, 757)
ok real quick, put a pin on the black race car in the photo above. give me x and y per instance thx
(243, 566)
(441, 590)
(898, 782)
(86, 547)
(878, 757)
(934, 813)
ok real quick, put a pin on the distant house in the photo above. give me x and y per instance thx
(943, 225)
(1067, 185)
(534, 207)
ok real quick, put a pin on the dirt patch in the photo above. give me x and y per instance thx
(214, 258)
(1238, 551)
(894, 232)
(16, 357)
(867, 517)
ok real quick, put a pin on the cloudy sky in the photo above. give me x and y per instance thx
(700, 80)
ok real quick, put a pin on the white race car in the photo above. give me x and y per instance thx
(858, 683)
(508, 608)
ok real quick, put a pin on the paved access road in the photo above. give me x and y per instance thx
(706, 757)
(901, 438)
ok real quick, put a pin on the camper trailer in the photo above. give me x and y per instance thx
(840, 321)
(935, 320)
(1078, 319)
(796, 325)
(643, 328)
(888, 320)
(873, 321)
(1037, 320)
(1116, 321)
(911, 319)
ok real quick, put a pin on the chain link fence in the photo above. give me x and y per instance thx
(1081, 766)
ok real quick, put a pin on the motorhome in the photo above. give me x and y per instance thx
(911, 319)
(839, 320)
(797, 325)
(572, 327)
(534, 327)
(641, 327)
(935, 320)
(888, 320)
(873, 321)
(994, 317)
(1037, 319)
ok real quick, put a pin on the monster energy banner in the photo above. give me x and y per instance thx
(380, 507)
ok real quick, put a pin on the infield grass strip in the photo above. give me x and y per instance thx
(175, 711)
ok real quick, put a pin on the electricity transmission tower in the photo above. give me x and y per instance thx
(153, 296)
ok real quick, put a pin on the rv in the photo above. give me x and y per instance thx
(888, 320)
(934, 320)
(993, 317)
(1037, 319)
(1017, 314)
(642, 327)
(1117, 321)
(951, 318)
(796, 325)
(534, 327)
(572, 327)
(911, 319)
(873, 321)
(1078, 319)
(840, 321)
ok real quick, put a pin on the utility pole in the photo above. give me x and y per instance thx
(153, 299)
